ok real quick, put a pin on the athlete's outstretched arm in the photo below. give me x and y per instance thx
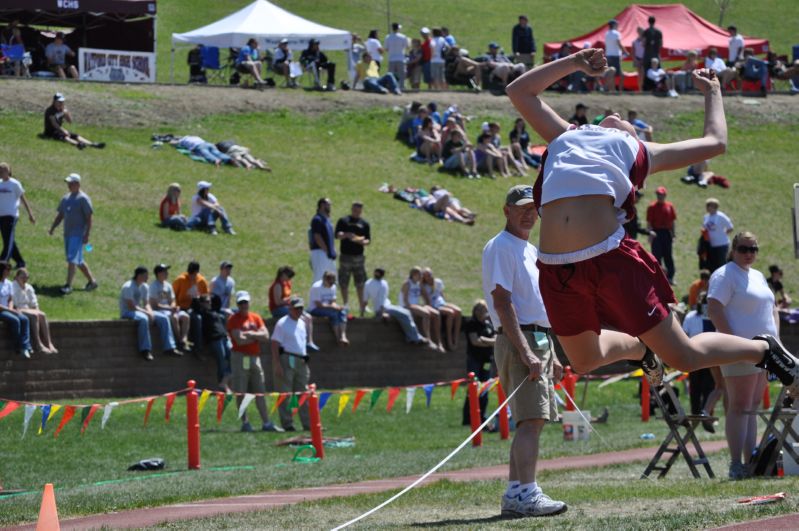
(524, 91)
(712, 143)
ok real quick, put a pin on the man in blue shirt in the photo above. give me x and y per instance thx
(523, 43)
(248, 61)
(75, 210)
(321, 239)
(224, 286)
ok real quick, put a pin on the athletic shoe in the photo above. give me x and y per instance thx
(737, 472)
(312, 346)
(99, 145)
(290, 428)
(780, 362)
(246, 427)
(147, 355)
(538, 504)
(25, 354)
(66, 289)
(707, 424)
(81, 145)
(173, 352)
(653, 368)
(90, 286)
(269, 426)
(213, 231)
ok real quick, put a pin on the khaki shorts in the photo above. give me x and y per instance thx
(536, 398)
(249, 379)
(351, 265)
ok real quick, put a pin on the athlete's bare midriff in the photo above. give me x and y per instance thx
(574, 223)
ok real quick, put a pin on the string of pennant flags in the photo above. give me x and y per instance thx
(86, 412)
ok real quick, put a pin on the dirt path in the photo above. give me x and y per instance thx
(257, 502)
(151, 105)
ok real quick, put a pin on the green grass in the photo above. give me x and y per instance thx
(386, 445)
(345, 155)
(475, 23)
(604, 498)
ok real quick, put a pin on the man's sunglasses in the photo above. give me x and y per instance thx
(743, 249)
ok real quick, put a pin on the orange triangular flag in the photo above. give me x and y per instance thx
(69, 412)
(147, 411)
(9, 407)
(170, 399)
(48, 514)
(359, 394)
(453, 388)
(393, 393)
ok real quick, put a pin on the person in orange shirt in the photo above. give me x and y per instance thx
(169, 210)
(698, 286)
(188, 286)
(247, 333)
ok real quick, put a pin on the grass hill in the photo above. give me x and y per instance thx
(341, 145)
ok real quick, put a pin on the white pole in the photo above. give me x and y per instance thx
(155, 47)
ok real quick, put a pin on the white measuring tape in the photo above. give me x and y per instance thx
(439, 465)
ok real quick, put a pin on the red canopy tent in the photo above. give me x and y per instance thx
(683, 30)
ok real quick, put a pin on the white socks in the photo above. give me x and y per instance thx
(517, 489)
(513, 489)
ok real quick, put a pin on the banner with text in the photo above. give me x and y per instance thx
(116, 65)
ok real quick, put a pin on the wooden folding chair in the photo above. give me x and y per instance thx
(779, 425)
(677, 420)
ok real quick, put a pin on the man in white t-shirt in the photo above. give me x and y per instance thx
(322, 301)
(375, 294)
(719, 227)
(613, 52)
(11, 194)
(523, 349)
(395, 45)
(281, 62)
(736, 46)
(290, 361)
(717, 64)
(374, 48)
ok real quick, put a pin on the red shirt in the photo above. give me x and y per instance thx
(250, 323)
(284, 294)
(174, 208)
(427, 53)
(661, 215)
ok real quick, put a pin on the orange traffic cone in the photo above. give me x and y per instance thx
(48, 514)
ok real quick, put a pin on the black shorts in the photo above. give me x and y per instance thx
(242, 68)
(58, 135)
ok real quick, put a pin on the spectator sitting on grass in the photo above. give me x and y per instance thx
(368, 72)
(520, 144)
(313, 59)
(215, 336)
(375, 294)
(405, 129)
(223, 285)
(201, 148)
(489, 157)
(280, 293)
(579, 118)
(54, 117)
(412, 298)
(458, 154)
(134, 303)
(56, 53)
(247, 333)
(75, 210)
(205, 210)
(16, 321)
(664, 81)
(169, 211)
(25, 302)
(643, 129)
(162, 300)
(519, 164)
(428, 142)
(241, 156)
(323, 304)
(450, 313)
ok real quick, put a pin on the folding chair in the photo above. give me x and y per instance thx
(779, 426)
(15, 53)
(215, 71)
(677, 420)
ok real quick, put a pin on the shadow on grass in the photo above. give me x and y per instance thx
(461, 522)
(50, 291)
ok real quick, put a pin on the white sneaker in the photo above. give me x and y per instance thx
(673, 94)
(538, 504)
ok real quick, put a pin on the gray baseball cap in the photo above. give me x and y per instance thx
(519, 195)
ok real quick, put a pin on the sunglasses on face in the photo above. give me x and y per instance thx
(744, 249)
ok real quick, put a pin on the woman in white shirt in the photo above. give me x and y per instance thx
(433, 290)
(719, 227)
(411, 297)
(740, 303)
(661, 78)
(26, 302)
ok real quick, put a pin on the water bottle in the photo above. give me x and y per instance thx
(88, 248)
(647, 436)
(780, 469)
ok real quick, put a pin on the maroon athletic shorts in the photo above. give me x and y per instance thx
(624, 289)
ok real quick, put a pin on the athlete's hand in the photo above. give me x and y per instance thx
(592, 61)
(705, 80)
(533, 363)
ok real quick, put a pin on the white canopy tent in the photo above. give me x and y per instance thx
(268, 24)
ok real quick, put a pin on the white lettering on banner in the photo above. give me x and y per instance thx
(68, 4)
(116, 65)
